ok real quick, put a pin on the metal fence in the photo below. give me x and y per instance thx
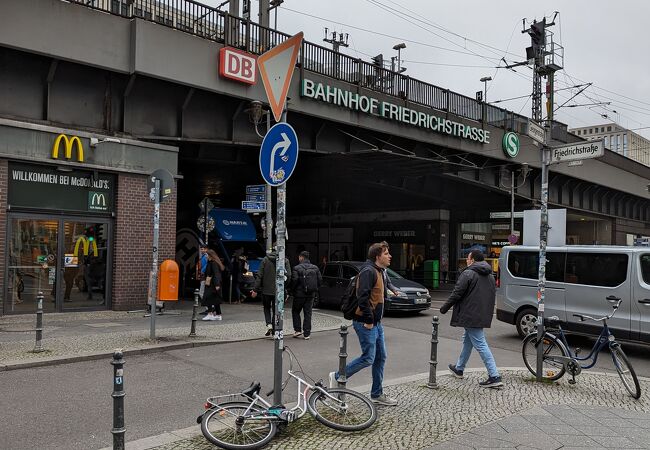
(211, 23)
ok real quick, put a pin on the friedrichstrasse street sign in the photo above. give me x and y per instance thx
(577, 152)
(536, 132)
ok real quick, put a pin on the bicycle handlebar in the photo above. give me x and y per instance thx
(584, 317)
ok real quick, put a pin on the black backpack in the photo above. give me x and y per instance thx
(309, 279)
(350, 302)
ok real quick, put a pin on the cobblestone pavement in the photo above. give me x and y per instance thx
(106, 341)
(461, 415)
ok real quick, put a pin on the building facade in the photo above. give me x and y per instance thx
(618, 139)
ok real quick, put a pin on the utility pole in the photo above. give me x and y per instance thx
(544, 65)
(337, 43)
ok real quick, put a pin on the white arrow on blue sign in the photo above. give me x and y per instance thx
(256, 197)
(279, 154)
(253, 206)
(256, 189)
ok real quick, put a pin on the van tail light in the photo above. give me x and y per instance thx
(498, 280)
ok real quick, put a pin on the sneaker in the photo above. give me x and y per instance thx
(383, 399)
(203, 313)
(217, 318)
(307, 338)
(207, 317)
(297, 334)
(491, 382)
(457, 373)
(333, 382)
(268, 331)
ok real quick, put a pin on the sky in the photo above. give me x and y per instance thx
(453, 44)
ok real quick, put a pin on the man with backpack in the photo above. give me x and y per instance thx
(265, 285)
(372, 288)
(305, 281)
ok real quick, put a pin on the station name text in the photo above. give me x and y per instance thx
(391, 111)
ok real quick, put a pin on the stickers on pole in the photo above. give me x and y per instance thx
(276, 70)
(279, 154)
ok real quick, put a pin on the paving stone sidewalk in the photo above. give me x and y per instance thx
(595, 413)
(78, 336)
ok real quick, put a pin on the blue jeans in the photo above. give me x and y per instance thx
(373, 353)
(475, 338)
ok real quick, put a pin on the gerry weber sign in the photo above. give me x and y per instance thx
(32, 186)
(391, 111)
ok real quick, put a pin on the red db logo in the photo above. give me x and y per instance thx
(237, 65)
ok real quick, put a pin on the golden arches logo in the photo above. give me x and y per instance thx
(68, 144)
(86, 246)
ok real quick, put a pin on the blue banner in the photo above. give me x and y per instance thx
(233, 225)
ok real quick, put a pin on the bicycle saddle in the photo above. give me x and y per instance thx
(552, 321)
(251, 390)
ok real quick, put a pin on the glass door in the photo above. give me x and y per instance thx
(84, 263)
(32, 264)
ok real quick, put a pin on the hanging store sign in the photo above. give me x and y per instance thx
(32, 186)
(391, 111)
(68, 144)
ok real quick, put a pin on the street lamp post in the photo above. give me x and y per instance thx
(485, 80)
(399, 48)
(523, 171)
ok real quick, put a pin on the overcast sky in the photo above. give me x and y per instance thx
(454, 43)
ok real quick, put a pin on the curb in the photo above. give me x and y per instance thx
(59, 360)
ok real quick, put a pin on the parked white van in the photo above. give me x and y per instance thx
(579, 280)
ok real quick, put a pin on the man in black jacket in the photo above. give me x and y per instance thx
(265, 285)
(305, 281)
(473, 300)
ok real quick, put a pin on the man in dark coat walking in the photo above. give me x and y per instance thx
(304, 278)
(473, 301)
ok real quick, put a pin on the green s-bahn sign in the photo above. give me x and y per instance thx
(510, 144)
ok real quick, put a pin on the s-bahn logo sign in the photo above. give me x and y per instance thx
(68, 145)
(510, 144)
(391, 111)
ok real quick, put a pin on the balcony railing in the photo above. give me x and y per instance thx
(219, 26)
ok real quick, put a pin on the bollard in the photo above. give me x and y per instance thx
(38, 347)
(343, 355)
(118, 400)
(433, 362)
(194, 311)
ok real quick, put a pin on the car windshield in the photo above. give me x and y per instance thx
(394, 275)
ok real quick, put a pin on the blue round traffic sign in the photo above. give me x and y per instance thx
(279, 154)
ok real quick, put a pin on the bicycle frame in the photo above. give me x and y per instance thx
(605, 339)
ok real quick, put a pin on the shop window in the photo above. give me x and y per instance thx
(331, 270)
(596, 269)
(526, 265)
(645, 268)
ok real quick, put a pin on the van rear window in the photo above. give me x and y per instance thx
(645, 268)
(526, 265)
(596, 269)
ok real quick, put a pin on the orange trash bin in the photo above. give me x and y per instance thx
(168, 281)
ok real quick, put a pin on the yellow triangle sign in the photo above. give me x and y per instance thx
(276, 70)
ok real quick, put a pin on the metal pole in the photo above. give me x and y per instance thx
(153, 289)
(343, 355)
(269, 201)
(205, 220)
(195, 307)
(433, 361)
(543, 237)
(230, 287)
(118, 400)
(38, 347)
(279, 291)
(512, 202)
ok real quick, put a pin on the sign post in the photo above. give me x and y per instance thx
(278, 159)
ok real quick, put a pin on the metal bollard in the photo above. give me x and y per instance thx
(433, 362)
(343, 355)
(194, 311)
(38, 347)
(118, 400)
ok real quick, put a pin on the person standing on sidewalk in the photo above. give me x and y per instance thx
(305, 281)
(265, 284)
(212, 294)
(201, 267)
(373, 285)
(473, 301)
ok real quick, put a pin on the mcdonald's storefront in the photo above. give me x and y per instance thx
(67, 234)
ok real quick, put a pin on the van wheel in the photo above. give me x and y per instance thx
(526, 321)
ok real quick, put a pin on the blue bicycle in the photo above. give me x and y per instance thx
(559, 359)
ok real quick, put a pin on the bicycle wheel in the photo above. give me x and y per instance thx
(345, 410)
(226, 427)
(551, 370)
(626, 372)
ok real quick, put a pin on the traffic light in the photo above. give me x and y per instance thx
(538, 33)
(378, 60)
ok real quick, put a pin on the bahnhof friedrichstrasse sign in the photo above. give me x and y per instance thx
(391, 111)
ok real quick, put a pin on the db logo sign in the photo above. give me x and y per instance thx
(237, 65)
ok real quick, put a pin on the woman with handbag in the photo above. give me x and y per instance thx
(212, 296)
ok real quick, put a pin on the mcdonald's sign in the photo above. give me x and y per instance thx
(68, 144)
(83, 240)
(97, 201)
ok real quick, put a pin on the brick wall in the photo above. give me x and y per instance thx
(4, 174)
(133, 241)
